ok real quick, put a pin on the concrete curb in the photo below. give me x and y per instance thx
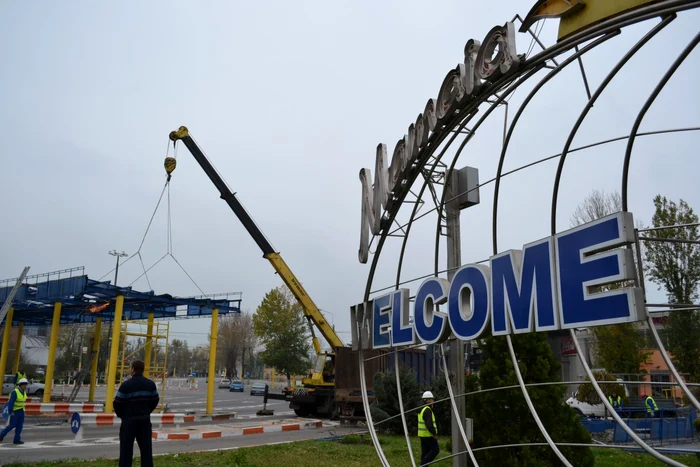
(229, 433)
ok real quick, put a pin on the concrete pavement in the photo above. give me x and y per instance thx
(50, 438)
(104, 442)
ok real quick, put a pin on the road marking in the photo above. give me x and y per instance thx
(67, 443)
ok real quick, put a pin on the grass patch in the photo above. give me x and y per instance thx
(352, 451)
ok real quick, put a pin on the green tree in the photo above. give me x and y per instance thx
(586, 392)
(620, 347)
(503, 417)
(386, 402)
(280, 325)
(675, 266)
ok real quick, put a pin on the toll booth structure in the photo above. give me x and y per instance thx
(68, 297)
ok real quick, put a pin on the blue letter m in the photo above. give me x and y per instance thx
(522, 285)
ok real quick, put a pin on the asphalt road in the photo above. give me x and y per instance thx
(51, 438)
(186, 401)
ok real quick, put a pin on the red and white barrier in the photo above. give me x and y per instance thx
(253, 430)
(63, 408)
(110, 419)
(4, 399)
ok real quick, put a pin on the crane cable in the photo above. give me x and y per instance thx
(169, 164)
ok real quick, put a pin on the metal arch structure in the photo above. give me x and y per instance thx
(429, 164)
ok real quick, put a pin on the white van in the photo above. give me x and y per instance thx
(584, 408)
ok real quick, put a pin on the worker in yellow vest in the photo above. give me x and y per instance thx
(20, 375)
(652, 408)
(18, 398)
(427, 430)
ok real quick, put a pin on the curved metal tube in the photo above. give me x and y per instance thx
(670, 364)
(612, 411)
(548, 383)
(516, 119)
(540, 59)
(401, 409)
(365, 402)
(460, 423)
(543, 430)
(608, 79)
(642, 113)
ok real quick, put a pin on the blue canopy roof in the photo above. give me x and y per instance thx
(84, 300)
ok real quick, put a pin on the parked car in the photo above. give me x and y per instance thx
(236, 385)
(33, 389)
(224, 383)
(589, 410)
(258, 389)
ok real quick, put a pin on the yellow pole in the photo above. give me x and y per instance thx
(95, 357)
(53, 343)
(212, 360)
(18, 348)
(149, 346)
(272, 378)
(114, 353)
(6, 340)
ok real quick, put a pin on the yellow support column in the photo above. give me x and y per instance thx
(149, 346)
(18, 349)
(212, 360)
(6, 340)
(114, 353)
(95, 357)
(53, 343)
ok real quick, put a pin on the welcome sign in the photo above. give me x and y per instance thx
(552, 284)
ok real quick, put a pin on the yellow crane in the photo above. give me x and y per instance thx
(320, 384)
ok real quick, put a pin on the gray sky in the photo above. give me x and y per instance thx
(289, 100)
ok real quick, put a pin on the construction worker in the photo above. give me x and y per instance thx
(427, 430)
(615, 401)
(652, 408)
(136, 398)
(18, 397)
(20, 375)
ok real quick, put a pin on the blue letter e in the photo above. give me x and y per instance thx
(589, 256)
(381, 321)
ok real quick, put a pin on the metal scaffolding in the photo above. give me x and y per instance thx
(153, 344)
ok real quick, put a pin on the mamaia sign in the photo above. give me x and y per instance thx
(483, 63)
(579, 278)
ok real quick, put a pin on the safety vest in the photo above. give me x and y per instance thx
(653, 402)
(20, 400)
(422, 429)
(21, 375)
(616, 403)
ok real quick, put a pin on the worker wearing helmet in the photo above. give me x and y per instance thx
(427, 430)
(18, 398)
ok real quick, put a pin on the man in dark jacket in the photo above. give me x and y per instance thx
(136, 398)
(427, 430)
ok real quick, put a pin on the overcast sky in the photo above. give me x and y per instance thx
(289, 100)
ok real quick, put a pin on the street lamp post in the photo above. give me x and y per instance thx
(116, 270)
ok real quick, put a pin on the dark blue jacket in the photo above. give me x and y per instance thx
(136, 398)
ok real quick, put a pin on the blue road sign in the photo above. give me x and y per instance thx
(75, 422)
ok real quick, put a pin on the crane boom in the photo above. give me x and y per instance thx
(311, 311)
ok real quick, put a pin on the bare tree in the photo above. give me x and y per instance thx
(235, 340)
(596, 205)
(619, 348)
